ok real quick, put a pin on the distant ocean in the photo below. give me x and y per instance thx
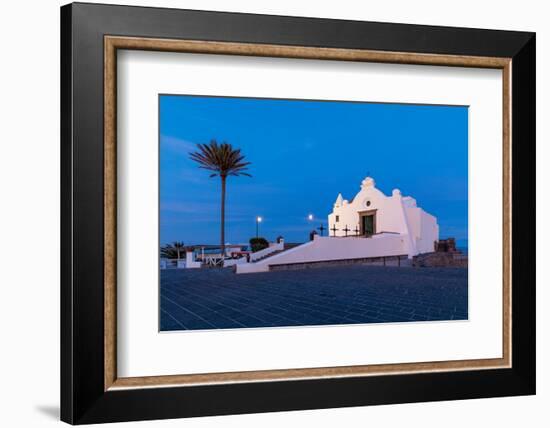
(462, 245)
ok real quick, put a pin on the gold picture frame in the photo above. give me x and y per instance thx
(114, 43)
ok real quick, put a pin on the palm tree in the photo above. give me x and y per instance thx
(223, 161)
(172, 251)
(178, 246)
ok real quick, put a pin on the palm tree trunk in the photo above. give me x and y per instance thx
(222, 234)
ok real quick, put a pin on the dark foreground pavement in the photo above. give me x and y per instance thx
(193, 299)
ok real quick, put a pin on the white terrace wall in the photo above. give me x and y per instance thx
(324, 248)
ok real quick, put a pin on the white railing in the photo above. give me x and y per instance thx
(273, 247)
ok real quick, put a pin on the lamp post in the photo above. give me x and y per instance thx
(258, 221)
(313, 232)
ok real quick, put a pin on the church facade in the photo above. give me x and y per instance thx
(371, 213)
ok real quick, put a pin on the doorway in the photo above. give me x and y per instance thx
(368, 223)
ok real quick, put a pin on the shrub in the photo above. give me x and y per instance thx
(257, 244)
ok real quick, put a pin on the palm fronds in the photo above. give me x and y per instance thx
(173, 250)
(222, 159)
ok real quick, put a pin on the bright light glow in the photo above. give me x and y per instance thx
(310, 217)
(259, 219)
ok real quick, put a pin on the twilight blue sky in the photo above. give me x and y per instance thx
(303, 153)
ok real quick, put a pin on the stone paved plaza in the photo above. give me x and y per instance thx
(193, 299)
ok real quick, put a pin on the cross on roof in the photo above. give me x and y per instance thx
(356, 230)
(333, 228)
(346, 230)
(321, 228)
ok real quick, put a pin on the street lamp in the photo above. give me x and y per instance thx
(312, 233)
(258, 221)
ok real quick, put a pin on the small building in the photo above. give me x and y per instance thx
(371, 212)
(371, 228)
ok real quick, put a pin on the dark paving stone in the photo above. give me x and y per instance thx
(196, 299)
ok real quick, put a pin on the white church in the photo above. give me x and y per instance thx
(371, 212)
(369, 226)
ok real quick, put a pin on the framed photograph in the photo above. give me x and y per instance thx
(266, 213)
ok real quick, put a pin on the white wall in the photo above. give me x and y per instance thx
(325, 248)
(424, 229)
(29, 165)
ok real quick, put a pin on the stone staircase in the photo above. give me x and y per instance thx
(268, 255)
(286, 246)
